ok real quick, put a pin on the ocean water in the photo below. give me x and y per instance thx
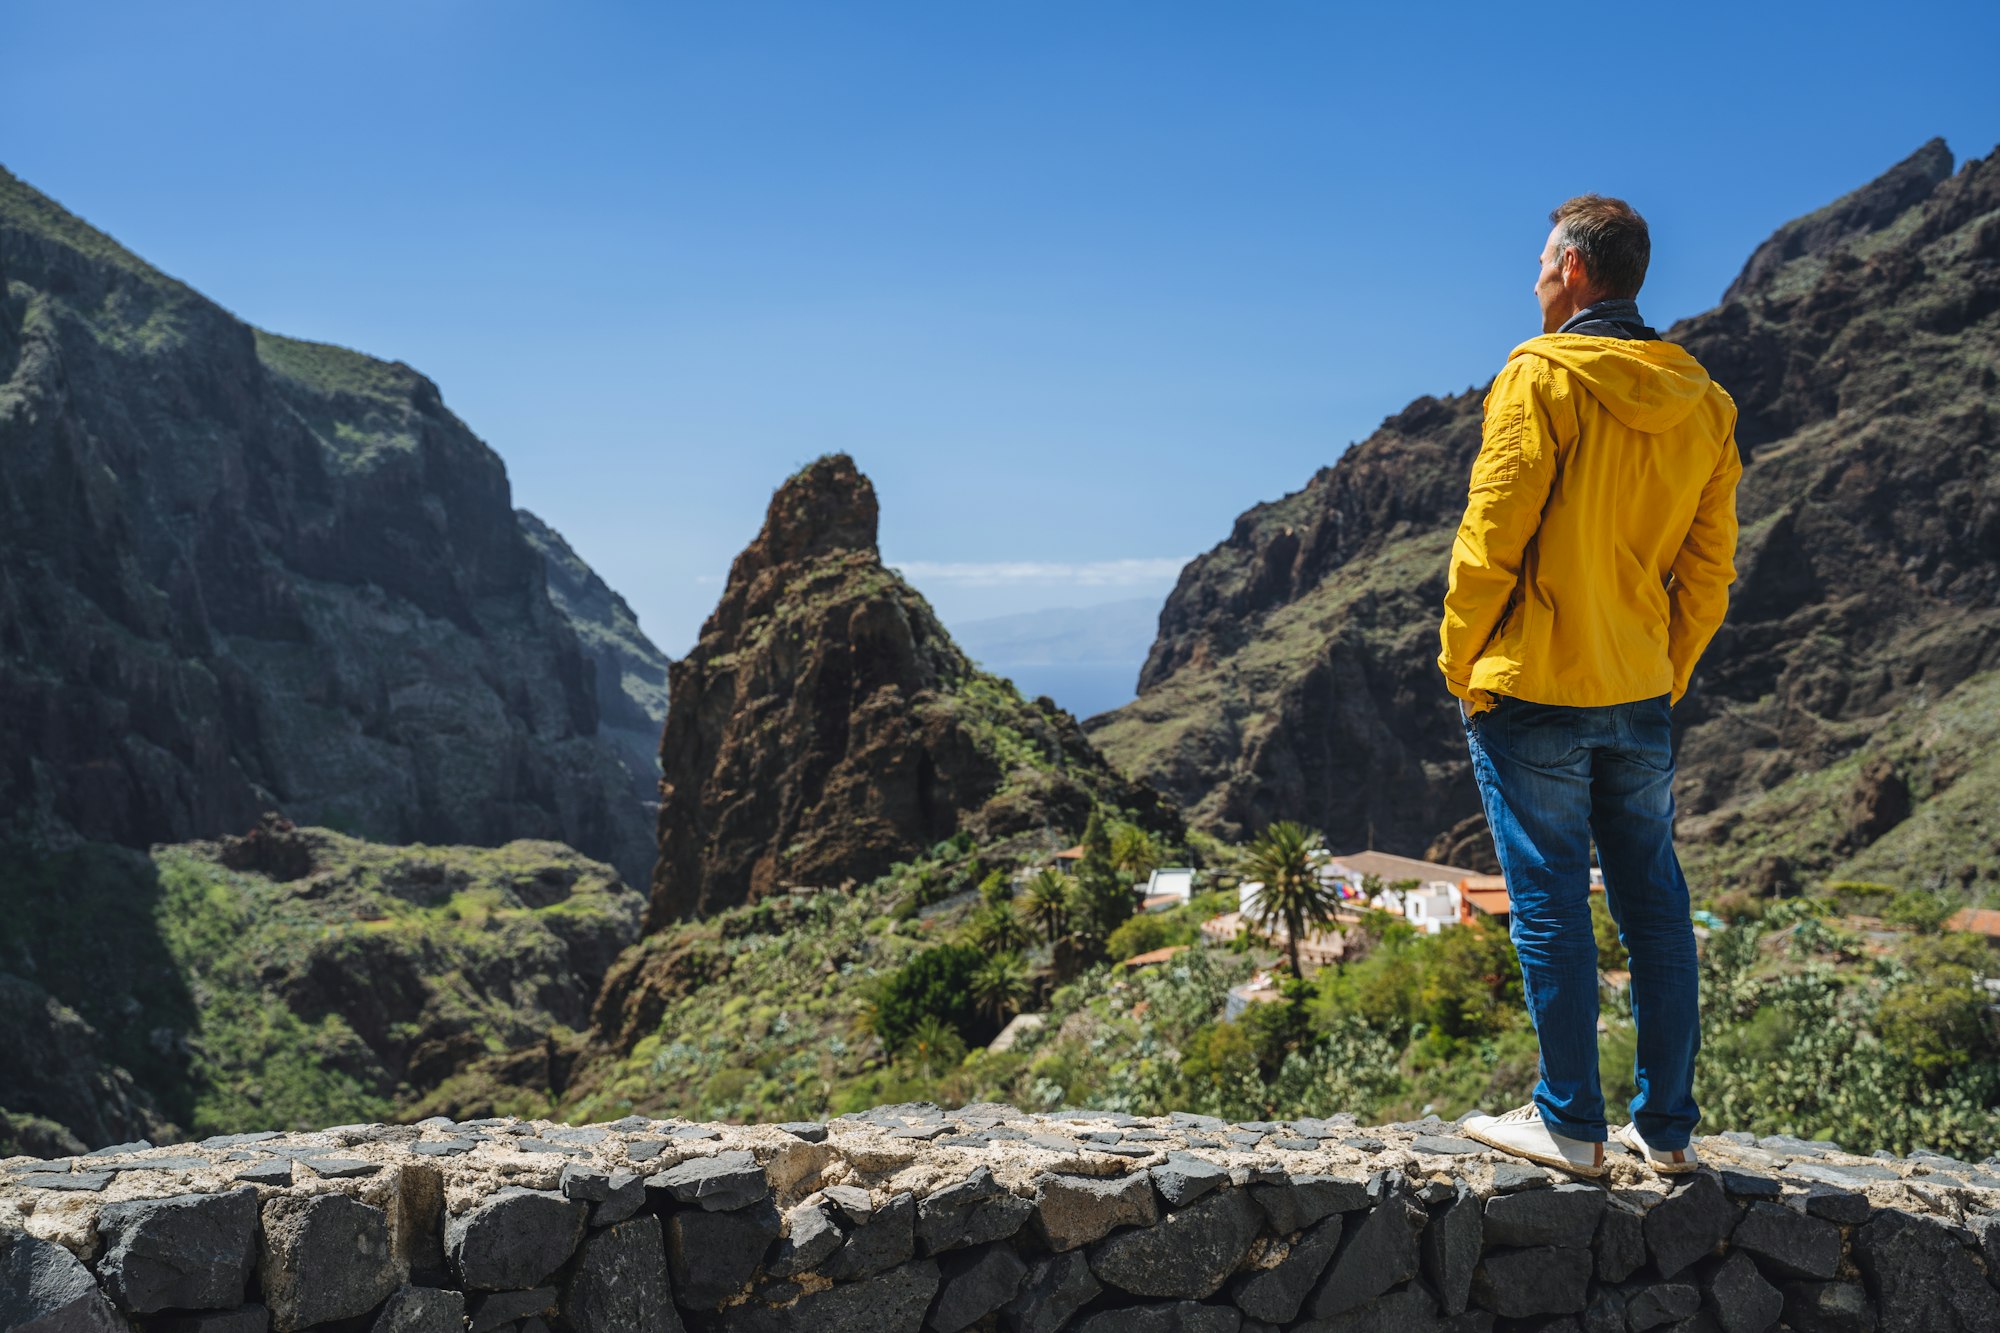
(1083, 688)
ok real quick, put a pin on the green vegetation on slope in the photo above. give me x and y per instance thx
(327, 980)
(1946, 749)
(1846, 1014)
(357, 406)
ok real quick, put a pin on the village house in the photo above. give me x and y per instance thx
(1260, 989)
(1428, 896)
(1485, 896)
(1316, 948)
(1981, 921)
(1165, 889)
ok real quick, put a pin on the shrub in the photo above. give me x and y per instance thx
(937, 983)
(1932, 1013)
(1150, 931)
(1919, 910)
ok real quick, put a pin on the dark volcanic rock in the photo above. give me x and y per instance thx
(1687, 1224)
(1659, 1304)
(619, 1284)
(1787, 1242)
(719, 1183)
(44, 1286)
(1299, 1201)
(1566, 1215)
(973, 1212)
(811, 1235)
(1450, 1248)
(822, 728)
(1183, 1178)
(713, 1255)
(1739, 1299)
(886, 1239)
(1294, 668)
(422, 1310)
(1922, 1278)
(1380, 1251)
(1831, 1307)
(1275, 1294)
(974, 1284)
(324, 1257)
(613, 1195)
(1620, 1246)
(501, 1309)
(1056, 1288)
(891, 1302)
(1408, 1309)
(513, 1240)
(1543, 1280)
(1189, 1252)
(243, 1319)
(1180, 1317)
(188, 1252)
(272, 571)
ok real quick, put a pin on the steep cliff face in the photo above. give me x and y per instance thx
(1294, 673)
(240, 572)
(825, 726)
(631, 673)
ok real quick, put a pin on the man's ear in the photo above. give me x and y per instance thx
(1575, 275)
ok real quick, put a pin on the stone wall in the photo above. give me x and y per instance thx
(909, 1218)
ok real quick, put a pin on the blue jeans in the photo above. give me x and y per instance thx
(1552, 780)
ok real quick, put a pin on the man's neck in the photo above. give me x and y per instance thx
(1609, 317)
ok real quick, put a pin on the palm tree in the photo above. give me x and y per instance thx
(1134, 852)
(933, 1046)
(1047, 903)
(1000, 984)
(1282, 858)
(1094, 912)
(999, 929)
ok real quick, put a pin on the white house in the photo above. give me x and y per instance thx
(1167, 888)
(1429, 901)
(1432, 909)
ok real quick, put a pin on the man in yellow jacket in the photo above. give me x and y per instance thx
(1591, 569)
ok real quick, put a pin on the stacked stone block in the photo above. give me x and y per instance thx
(914, 1219)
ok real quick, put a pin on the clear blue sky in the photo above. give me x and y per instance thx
(1075, 282)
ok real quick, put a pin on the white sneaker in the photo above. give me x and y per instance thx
(1522, 1133)
(1671, 1163)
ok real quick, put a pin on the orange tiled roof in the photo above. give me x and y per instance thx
(1154, 956)
(1979, 920)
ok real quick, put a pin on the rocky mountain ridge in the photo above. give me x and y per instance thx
(241, 572)
(825, 726)
(1836, 724)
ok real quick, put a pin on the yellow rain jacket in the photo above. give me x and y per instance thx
(1594, 561)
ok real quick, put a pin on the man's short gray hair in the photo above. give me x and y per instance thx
(1609, 237)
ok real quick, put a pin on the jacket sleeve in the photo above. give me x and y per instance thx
(1698, 593)
(1511, 478)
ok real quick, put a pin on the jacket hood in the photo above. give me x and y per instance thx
(1650, 386)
